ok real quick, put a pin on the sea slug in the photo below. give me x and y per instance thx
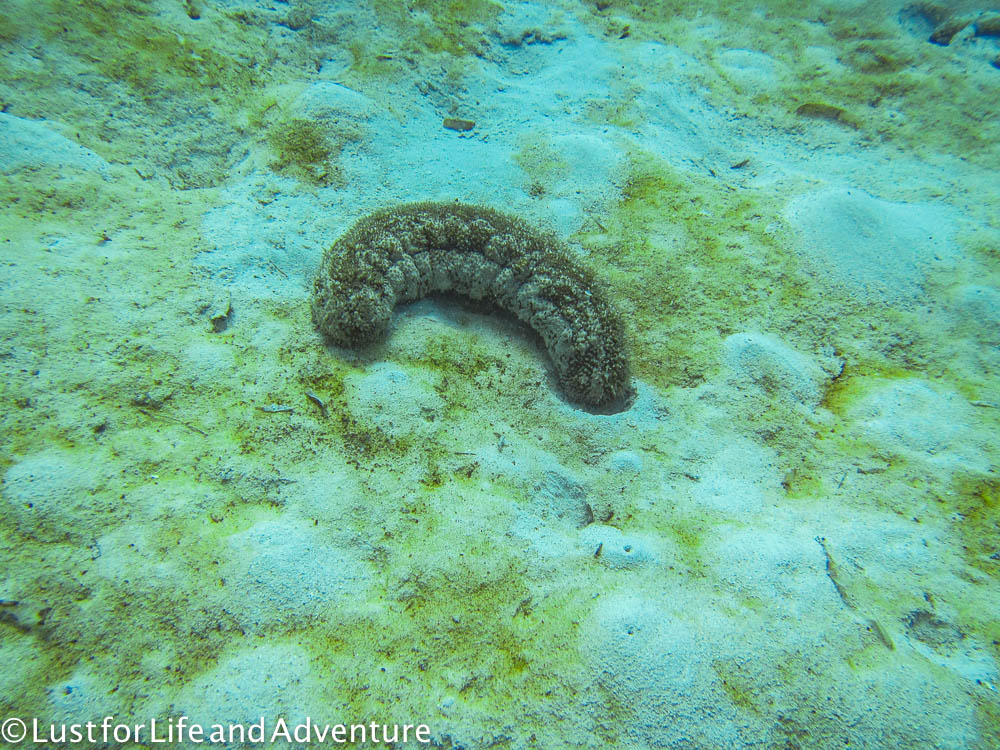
(407, 252)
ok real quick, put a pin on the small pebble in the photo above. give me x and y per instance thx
(454, 124)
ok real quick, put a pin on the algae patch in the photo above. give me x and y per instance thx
(976, 500)
(452, 27)
(302, 149)
(693, 263)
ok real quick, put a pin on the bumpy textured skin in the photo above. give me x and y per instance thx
(404, 253)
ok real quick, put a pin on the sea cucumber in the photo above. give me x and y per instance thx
(407, 252)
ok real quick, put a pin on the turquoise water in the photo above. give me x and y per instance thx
(671, 424)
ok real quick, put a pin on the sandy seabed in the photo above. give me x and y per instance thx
(789, 539)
